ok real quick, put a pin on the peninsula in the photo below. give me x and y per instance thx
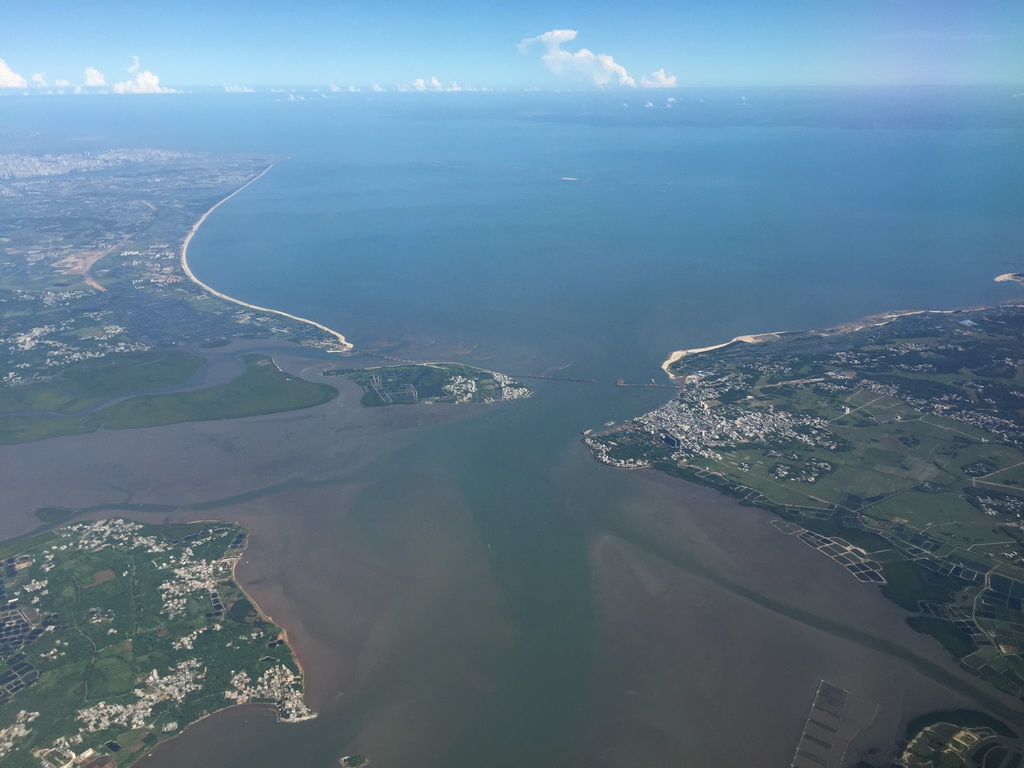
(893, 446)
(118, 635)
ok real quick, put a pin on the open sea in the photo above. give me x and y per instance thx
(537, 608)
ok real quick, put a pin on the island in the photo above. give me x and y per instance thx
(893, 446)
(115, 635)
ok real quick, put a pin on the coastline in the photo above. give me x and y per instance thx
(346, 346)
(753, 338)
(871, 320)
(268, 617)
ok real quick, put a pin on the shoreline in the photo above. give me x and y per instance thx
(268, 617)
(756, 338)
(753, 338)
(346, 346)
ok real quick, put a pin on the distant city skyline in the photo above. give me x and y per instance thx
(457, 45)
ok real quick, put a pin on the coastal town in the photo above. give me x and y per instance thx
(127, 633)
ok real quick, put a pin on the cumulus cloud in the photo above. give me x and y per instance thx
(143, 82)
(39, 78)
(433, 84)
(600, 68)
(238, 89)
(659, 79)
(93, 77)
(9, 78)
(376, 88)
(63, 83)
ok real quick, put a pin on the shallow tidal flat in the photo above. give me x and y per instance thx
(446, 614)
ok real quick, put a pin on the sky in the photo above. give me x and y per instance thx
(136, 47)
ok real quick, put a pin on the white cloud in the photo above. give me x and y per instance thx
(39, 78)
(431, 85)
(353, 89)
(238, 89)
(134, 68)
(659, 79)
(600, 68)
(9, 78)
(143, 82)
(63, 84)
(93, 77)
(376, 88)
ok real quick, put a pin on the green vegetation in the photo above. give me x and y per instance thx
(907, 583)
(121, 636)
(955, 641)
(83, 384)
(53, 514)
(262, 388)
(434, 382)
(960, 739)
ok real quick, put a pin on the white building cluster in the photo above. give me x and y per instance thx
(185, 678)
(510, 388)
(279, 685)
(16, 730)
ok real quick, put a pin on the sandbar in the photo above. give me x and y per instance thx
(184, 266)
(754, 338)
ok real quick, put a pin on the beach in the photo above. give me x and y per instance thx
(754, 338)
(345, 345)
